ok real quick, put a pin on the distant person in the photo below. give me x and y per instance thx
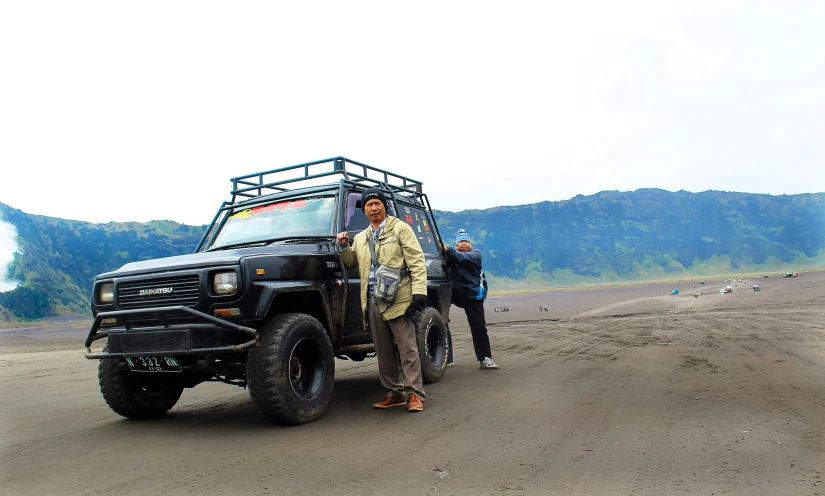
(390, 323)
(469, 293)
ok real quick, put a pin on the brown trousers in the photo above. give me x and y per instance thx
(403, 380)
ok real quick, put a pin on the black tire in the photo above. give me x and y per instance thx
(433, 345)
(131, 396)
(291, 372)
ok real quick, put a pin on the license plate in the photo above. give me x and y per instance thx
(153, 364)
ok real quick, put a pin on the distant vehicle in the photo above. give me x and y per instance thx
(727, 289)
(702, 282)
(764, 276)
(792, 274)
(756, 287)
(674, 291)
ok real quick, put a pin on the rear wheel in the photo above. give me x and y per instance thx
(291, 372)
(134, 396)
(433, 345)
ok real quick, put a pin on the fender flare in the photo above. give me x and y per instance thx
(270, 289)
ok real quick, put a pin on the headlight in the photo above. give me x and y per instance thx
(106, 292)
(225, 283)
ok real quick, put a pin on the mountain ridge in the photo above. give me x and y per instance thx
(610, 236)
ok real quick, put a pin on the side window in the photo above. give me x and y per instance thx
(355, 220)
(421, 224)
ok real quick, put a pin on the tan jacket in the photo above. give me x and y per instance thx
(397, 245)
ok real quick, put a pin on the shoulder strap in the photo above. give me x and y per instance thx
(372, 251)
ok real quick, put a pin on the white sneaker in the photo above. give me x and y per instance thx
(488, 363)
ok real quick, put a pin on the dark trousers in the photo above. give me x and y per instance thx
(474, 310)
(395, 345)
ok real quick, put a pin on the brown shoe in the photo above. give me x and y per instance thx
(389, 402)
(415, 404)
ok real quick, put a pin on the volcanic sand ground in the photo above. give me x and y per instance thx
(623, 391)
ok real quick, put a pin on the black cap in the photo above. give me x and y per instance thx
(371, 194)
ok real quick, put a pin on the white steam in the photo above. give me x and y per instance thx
(8, 247)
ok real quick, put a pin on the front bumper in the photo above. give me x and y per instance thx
(171, 339)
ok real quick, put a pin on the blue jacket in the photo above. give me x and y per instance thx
(466, 271)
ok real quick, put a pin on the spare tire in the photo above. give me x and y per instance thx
(433, 345)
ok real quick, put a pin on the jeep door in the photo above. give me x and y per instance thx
(354, 222)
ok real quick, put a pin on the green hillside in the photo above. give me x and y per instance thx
(57, 259)
(647, 233)
(610, 236)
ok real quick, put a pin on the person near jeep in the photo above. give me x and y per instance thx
(391, 324)
(469, 292)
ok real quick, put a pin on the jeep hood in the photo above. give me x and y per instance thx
(206, 259)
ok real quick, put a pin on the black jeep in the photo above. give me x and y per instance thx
(265, 301)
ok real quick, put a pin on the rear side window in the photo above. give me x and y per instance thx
(422, 226)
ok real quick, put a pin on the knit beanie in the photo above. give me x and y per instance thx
(370, 194)
(461, 235)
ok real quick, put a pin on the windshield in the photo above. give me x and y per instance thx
(284, 219)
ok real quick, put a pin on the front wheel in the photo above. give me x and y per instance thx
(137, 397)
(291, 371)
(433, 345)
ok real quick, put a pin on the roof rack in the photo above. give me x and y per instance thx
(263, 183)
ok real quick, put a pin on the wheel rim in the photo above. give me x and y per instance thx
(157, 391)
(306, 369)
(149, 389)
(436, 347)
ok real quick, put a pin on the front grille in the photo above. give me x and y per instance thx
(185, 292)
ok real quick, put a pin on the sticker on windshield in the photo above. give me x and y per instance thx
(243, 214)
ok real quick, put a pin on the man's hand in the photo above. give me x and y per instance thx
(343, 239)
(418, 303)
(444, 247)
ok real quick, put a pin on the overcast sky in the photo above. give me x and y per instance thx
(143, 110)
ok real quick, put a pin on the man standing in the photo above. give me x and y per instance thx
(469, 292)
(391, 324)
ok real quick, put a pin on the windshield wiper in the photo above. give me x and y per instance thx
(285, 239)
(301, 239)
(247, 244)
